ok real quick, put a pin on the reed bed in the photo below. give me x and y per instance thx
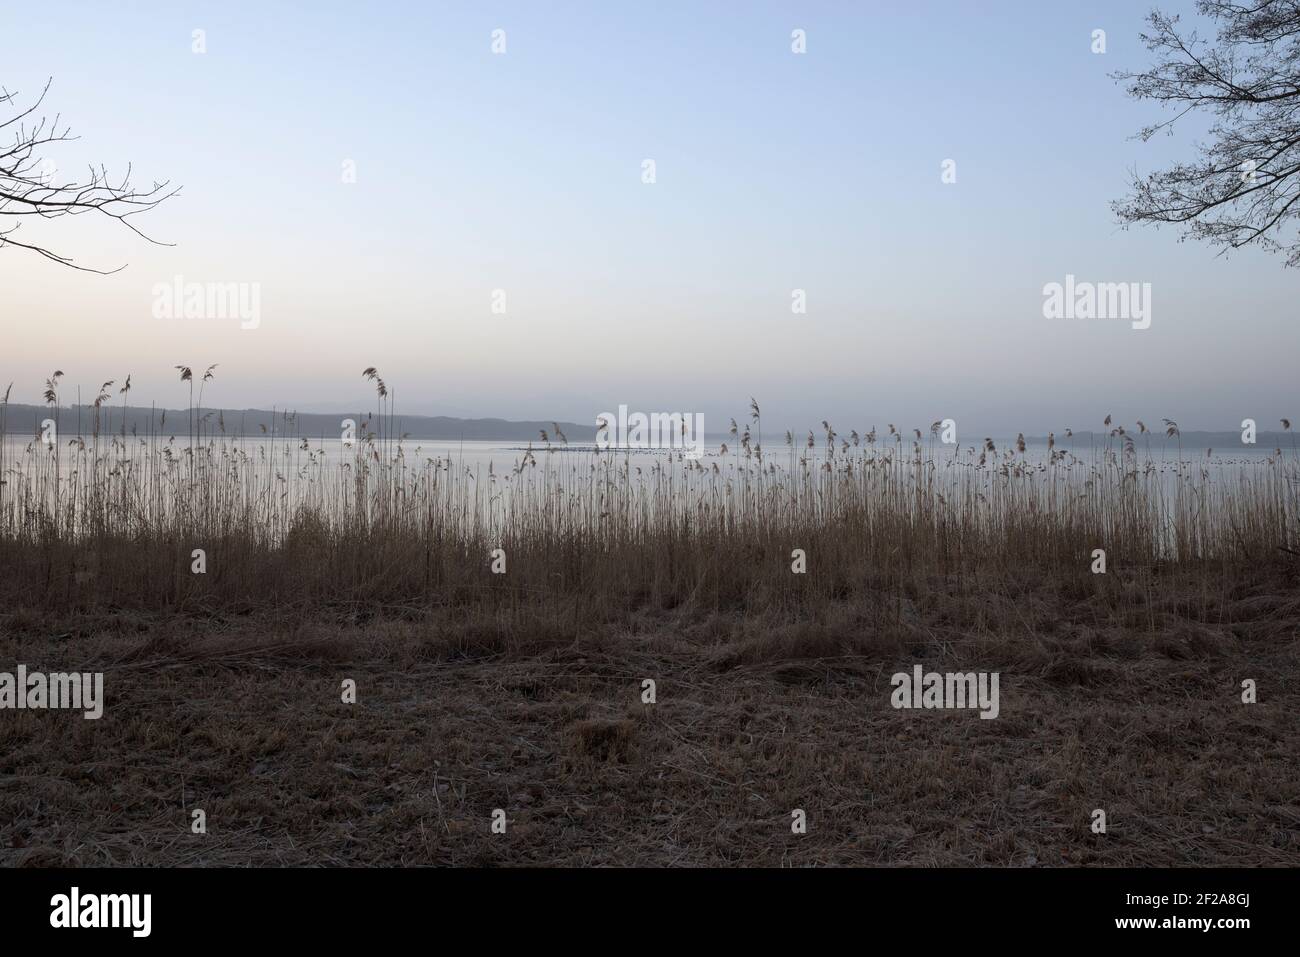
(522, 690)
(114, 517)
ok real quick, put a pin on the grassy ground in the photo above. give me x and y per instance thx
(1116, 693)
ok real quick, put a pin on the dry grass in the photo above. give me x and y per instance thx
(113, 521)
(1136, 711)
(521, 691)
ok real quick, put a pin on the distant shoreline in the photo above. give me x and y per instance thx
(257, 423)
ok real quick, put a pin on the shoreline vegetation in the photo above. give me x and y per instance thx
(24, 422)
(117, 517)
(499, 623)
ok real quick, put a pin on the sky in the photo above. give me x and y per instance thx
(522, 172)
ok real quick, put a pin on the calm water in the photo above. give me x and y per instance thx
(479, 456)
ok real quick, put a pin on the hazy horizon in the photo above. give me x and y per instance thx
(521, 171)
(719, 428)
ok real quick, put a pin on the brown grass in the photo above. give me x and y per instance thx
(522, 691)
(1139, 714)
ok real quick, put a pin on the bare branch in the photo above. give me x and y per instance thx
(29, 187)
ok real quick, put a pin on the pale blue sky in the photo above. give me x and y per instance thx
(522, 172)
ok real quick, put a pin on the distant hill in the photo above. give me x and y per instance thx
(23, 419)
(26, 419)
